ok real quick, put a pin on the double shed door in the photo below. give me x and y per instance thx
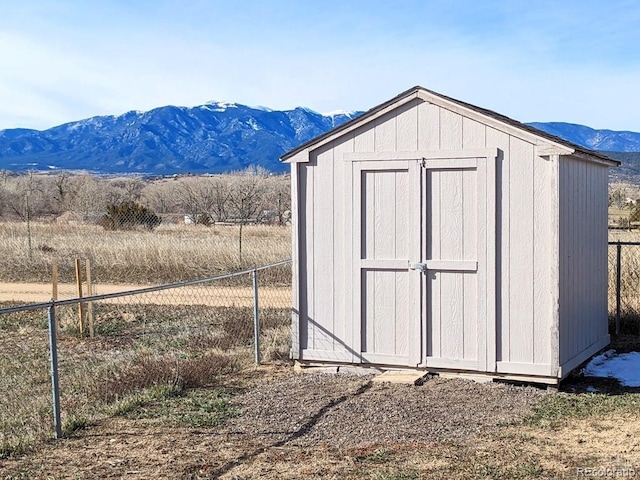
(424, 273)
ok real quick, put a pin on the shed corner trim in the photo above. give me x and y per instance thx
(582, 357)
(546, 150)
(300, 157)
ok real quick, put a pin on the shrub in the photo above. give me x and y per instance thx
(128, 216)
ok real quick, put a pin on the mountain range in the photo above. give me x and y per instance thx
(215, 137)
(219, 137)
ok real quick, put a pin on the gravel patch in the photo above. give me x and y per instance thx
(349, 411)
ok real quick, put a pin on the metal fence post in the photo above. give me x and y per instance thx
(256, 319)
(618, 284)
(55, 387)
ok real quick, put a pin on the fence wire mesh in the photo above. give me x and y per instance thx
(113, 351)
(624, 287)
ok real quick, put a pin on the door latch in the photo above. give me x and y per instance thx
(418, 266)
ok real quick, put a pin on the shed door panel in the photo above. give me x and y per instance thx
(387, 233)
(452, 279)
(455, 253)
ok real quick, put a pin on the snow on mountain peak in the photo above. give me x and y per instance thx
(219, 106)
(262, 108)
(334, 113)
(308, 110)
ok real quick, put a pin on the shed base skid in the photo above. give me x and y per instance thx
(369, 369)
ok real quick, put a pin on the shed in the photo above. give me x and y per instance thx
(432, 234)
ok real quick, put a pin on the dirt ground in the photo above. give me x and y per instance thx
(207, 295)
(290, 425)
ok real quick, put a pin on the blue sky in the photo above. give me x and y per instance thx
(572, 60)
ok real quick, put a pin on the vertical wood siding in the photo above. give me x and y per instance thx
(583, 256)
(452, 234)
(385, 220)
(323, 329)
(324, 253)
(526, 223)
(342, 248)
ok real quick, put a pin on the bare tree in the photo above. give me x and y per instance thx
(89, 200)
(251, 196)
(62, 191)
(221, 199)
(196, 196)
(247, 199)
(27, 201)
(25, 196)
(277, 199)
(160, 197)
(4, 190)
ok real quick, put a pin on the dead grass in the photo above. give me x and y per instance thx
(154, 396)
(167, 254)
(139, 355)
(205, 433)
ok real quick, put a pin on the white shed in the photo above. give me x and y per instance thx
(432, 234)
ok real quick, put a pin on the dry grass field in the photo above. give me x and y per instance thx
(167, 254)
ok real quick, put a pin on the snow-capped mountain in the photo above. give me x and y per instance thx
(212, 138)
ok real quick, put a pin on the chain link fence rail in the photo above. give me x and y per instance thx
(100, 353)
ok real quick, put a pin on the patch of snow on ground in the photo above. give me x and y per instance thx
(625, 367)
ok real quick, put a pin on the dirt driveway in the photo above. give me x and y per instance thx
(207, 295)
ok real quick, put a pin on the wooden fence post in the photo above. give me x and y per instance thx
(80, 305)
(89, 293)
(54, 282)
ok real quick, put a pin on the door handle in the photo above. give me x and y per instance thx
(418, 266)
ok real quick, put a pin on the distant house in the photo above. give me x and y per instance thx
(429, 233)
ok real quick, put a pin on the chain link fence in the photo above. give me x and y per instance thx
(624, 287)
(115, 348)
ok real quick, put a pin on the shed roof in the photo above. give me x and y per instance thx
(482, 111)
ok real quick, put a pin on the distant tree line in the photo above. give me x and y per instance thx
(250, 196)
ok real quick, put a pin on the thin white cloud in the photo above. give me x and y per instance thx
(64, 61)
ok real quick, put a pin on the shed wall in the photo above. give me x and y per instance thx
(525, 246)
(524, 230)
(324, 197)
(583, 259)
